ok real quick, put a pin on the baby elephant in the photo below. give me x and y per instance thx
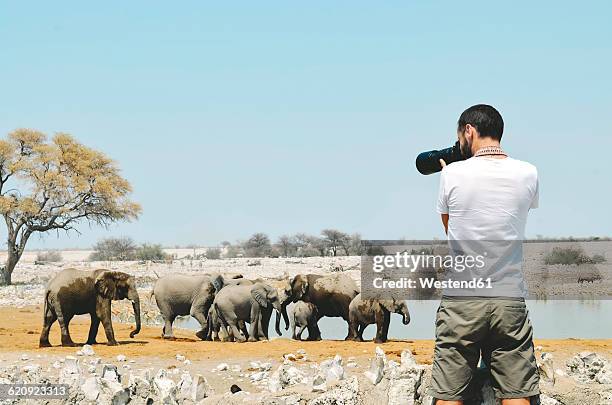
(366, 312)
(305, 315)
(76, 292)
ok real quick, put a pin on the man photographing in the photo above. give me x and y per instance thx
(485, 197)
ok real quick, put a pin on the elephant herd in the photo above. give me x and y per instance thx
(222, 305)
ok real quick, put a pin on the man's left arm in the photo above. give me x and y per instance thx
(442, 205)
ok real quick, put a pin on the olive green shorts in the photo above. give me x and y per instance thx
(496, 328)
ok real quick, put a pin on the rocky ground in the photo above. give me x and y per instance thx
(148, 369)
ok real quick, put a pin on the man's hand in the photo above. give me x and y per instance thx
(442, 163)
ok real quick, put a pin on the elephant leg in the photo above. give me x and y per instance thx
(314, 333)
(49, 319)
(265, 325)
(167, 330)
(353, 332)
(93, 329)
(199, 316)
(243, 328)
(379, 316)
(300, 332)
(103, 312)
(64, 321)
(293, 335)
(360, 328)
(386, 323)
(255, 323)
(235, 327)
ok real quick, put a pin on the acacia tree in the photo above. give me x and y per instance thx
(55, 185)
(335, 239)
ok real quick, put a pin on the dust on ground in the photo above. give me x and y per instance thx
(20, 331)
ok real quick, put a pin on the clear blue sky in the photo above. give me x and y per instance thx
(279, 118)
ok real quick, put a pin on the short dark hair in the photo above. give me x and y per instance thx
(485, 118)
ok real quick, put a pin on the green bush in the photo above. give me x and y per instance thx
(151, 252)
(571, 255)
(213, 253)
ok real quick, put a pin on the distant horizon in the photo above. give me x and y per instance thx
(539, 238)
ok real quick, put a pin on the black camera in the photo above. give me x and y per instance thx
(429, 162)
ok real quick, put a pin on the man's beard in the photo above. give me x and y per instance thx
(466, 149)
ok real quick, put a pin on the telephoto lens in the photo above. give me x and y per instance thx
(429, 162)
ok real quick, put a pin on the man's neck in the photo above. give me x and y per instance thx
(486, 142)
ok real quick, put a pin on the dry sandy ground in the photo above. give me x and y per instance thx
(21, 328)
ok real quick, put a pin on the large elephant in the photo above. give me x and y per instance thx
(76, 292)
(247, 303)
(366, 312)
(331, 295)
(181, 294)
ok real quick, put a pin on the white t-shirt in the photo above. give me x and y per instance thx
(488, 198)
(487, 201)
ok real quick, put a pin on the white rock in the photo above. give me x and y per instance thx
(91, 388)
(346, 392)
(164, 387)
(377, 367)
(319, 383)
(25, 357)
(121, 358)
(332, 370)
(290, 357)
(408, 359)
(258, 376)
(71, 372)
(301, 351)
(546, 400)
(92, 369)
(222, 367)
(187, 362)
(236, 368)
(140, 387)
(180, 357)
(57, 365)
(546, 368)
(87, 350)
(32, 369)
(200, 389)
(185, 386)
(109, 373)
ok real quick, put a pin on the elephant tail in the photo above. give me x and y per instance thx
(46, 303)
(220, 317)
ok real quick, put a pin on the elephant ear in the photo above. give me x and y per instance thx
(218, 282)
(299, 286)
(106, 283)
(389, 305)
(260, 295)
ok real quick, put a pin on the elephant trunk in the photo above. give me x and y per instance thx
(136, 305)
(283, 312)
(406, 316)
